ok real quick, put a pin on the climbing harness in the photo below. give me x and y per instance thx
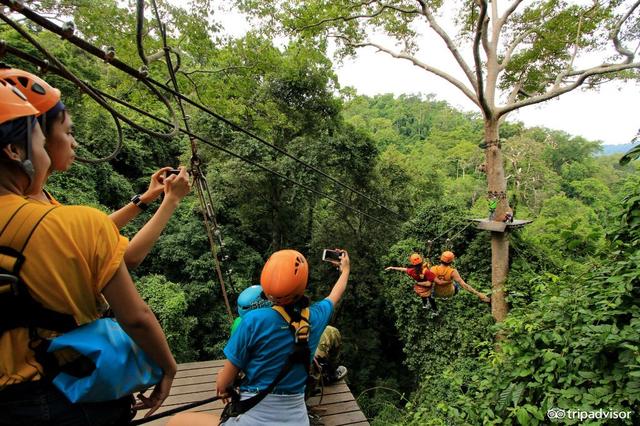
(297, 317)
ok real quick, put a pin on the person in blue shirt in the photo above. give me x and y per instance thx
(263, 341)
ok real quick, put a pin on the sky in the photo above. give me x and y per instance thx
(609, 114)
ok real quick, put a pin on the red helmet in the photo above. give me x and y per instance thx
(37, 91)
(14, 104)
(415, 259)
(284, 276)
(447, 257)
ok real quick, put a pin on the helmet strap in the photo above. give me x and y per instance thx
(27, 164)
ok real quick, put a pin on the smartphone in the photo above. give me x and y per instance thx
(329, 255)
(171, 172)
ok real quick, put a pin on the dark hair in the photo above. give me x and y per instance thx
(50, 120)
(446, 263)
(15, 131)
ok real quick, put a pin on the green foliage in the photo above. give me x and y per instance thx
(168, 302)
(575, 346)
(571, 339)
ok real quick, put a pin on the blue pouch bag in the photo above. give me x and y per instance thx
(121, 367)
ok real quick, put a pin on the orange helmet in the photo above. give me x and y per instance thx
(447, 257)
(14, 104)
(37, 91)
(415, 259)
(284, 276)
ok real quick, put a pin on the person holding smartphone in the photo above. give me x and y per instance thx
(263, 342)
(60, 143)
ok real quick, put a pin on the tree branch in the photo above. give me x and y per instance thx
(426, 11)
(457, 83)
(361, 16)
(555, 92)
(562, 75)
(478, 61)
(221, 70)
(485, 38)
(615, 34)
(507, 13)
(512, 47)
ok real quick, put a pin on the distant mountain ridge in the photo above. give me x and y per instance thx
(616, 149)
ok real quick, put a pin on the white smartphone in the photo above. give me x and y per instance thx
(329, 255)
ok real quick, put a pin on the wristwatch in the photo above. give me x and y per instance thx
(137, 201)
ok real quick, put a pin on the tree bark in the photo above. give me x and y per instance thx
(497, 189)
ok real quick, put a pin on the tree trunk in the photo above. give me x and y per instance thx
(497, 189)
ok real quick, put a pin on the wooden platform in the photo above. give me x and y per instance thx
(492, 225)
(196, 381)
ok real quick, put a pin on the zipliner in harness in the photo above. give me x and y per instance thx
(18, 309)
(449, 288)
(298, 321)
(110, 365)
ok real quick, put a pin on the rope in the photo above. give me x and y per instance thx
(174, 411)
(204, 195)
(89, 48)
(321, 194)
(85, 88)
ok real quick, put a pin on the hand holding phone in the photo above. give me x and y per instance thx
(171, 172)
(332, 256)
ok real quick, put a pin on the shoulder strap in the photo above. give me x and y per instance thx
(17, 306)
(301, 328)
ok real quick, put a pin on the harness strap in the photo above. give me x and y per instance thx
(18, 308)
(301, 353)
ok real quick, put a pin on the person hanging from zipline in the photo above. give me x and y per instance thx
(57, 126)
(448, 280)
(419, 271)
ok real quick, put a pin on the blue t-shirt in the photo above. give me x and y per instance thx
(262, 343)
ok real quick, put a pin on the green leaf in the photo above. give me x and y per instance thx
(523, 416)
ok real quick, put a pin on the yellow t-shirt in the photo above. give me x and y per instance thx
(72, 255)
(445, 274)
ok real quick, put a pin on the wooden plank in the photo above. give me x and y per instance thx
(336, 408)
(330, 399)
(343, 418)
(196, 381)
(490, 225)
(201, 364)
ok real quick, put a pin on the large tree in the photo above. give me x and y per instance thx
(507, 55)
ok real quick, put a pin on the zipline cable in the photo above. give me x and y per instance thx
(204, 195)
(47, 24)
(321, 194)
(85, 88)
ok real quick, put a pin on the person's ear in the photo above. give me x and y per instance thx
(12, 152)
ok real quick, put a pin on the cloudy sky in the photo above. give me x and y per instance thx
(609, 114)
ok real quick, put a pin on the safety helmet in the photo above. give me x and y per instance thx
(14, 104)
(284, 276)
(37, 91)
(447, 257)
(415, 259)
(251, 298)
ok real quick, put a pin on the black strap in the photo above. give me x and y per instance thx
(300, 354)
(17, 307)
(174, 411)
